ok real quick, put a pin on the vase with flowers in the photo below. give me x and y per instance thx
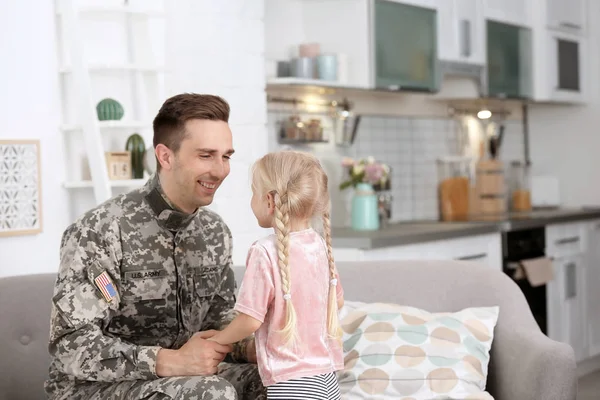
(366, 176)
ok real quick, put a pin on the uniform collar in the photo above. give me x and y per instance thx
(166, 213)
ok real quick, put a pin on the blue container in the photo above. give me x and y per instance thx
(365, 216)
(327, 67)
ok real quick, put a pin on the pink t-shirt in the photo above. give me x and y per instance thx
(261, 297)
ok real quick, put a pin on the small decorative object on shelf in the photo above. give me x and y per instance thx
(294, 130)
(136, 146)
(109, 110)
(118, 164)
(364, 175)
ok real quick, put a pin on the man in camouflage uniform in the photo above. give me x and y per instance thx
(145, 278)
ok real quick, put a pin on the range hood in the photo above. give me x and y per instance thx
(461, 81)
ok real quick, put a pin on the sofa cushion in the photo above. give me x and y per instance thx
(395, 351)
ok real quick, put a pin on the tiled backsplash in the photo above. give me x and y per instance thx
(410, 146)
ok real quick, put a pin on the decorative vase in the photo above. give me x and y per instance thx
(365, 216)
(135, 144)
(109, 110)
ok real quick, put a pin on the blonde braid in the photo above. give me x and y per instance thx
(333, 324)
(282, 229)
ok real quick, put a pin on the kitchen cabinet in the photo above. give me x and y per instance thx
(461, 31)
(483, 249)
(388, 44)
(513, 12)
(563, 77)
(432, 4)
(405, 46)
(568, 293)
(592, 290)
(509, 60)
(567, 15)
(567, 318)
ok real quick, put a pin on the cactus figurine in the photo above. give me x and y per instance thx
(135, 145)
(109, 109)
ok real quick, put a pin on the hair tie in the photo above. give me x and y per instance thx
(287, 296)
(333, 282)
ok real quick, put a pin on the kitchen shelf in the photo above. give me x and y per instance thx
(301, 141)
(283, 82)
(111, 125)
(115, 183)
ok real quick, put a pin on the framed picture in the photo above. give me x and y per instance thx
(20, 187)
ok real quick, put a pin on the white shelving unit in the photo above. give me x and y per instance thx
(135, 78)
(110, 125)
(125, 183)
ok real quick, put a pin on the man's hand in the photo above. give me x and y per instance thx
(198, 356)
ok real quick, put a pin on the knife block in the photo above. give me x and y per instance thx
(489, 193)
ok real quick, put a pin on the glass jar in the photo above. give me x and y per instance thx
(454, 187)
(520, 186)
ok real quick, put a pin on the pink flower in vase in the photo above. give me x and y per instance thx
(373, 173)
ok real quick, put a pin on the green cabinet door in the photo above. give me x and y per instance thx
(509, 60)
(405, 46)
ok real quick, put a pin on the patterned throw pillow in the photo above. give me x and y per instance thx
(400, 352)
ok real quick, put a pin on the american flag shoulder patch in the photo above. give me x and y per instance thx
(106, 286)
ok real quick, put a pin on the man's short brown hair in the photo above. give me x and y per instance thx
(169, 123)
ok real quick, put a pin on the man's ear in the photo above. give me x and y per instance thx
(165, 156)
(270, 203)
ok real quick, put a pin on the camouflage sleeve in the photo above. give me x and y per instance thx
(77, 345)
(221, 311)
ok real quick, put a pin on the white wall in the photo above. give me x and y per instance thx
(29, 100)
(565, 140)
(215, 47)
(220, 50)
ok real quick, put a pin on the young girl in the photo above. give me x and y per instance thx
(291, 292)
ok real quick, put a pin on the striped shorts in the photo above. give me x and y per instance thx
(318, 387)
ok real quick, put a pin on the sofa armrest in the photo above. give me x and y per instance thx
(527, 365)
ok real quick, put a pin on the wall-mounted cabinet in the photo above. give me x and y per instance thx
(568, 16)
(562, 73)
(461, 31)
(404, 43)
(513, 12)
(509, 60)
(410, 45)
(387, 44)
(565, 62)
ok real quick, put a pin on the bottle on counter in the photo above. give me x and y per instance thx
(454, 188)
(520, 186)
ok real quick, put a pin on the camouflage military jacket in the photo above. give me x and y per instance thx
(136, 275)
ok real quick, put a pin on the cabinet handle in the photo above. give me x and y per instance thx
(465, 35)
(571, 281)
(573, 239)
(570, 25)
(472, 257)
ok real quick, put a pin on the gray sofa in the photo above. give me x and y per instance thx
(525, 364)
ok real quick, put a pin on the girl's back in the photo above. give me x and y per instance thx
(261, 296)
